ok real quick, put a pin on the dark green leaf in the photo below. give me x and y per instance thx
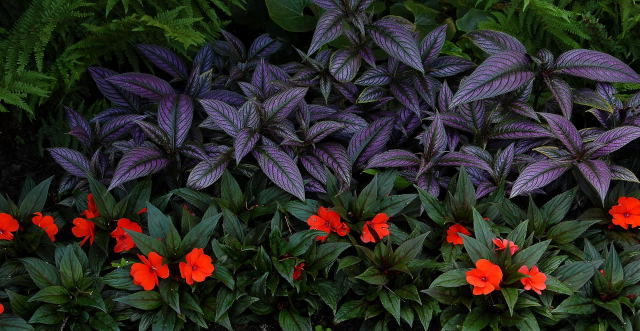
(290, 320)
(42, 273)
(145, 300)
(451, 278)
(391, 302)
(53, 294)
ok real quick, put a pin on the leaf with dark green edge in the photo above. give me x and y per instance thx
(408, 250)
(518, 234)
(576, 274)
(104, 322)
(327, 253)
(290, 320)
(328, 28)
(373, 276)
(53, 294)
(225, 276)
(425, 314)
(36, 198)
(14, 323)
(43, 274)
(392, 35)
(434, 208)
(394, 204)
(612, 306)
(576, 305)
(170, 293)
(145, 300)
(613, 267)
(208, 171)
(231, 225)
(347, 262)
(555, 285)
(558, 207)
(198, 199)
(302, 210)
(391, 303)
(120, 279)
(230, 192)
(482, 230)
(328, 293)
(46, 314)
(105, 202)
(350, 310)
(199, 236)
(147, 244)
(451, 278)
(20, 305)
(285, 268)
(300, 242)
(289, 14)
(477, 319)
(530, 255)
(71, 270)
(567, 231)
(510, 297)
(476, 249)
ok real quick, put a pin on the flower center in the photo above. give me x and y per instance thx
(1, 231)
(122, 237)
(194, 267)
(627, 214)
(154, 268)
(483, 278)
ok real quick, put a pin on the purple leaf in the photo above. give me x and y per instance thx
(391, 34)
(225, 96)
(426, 86)
(175, 114)
(498, 74)
(328, 28)
(458, 159)
(564, 131)
(79, 126)
(370, 141)
(446, 66)
(154, 133)
(244, 142)
(225, 116)
(503, 162)
(378, 76)
(596, 66)
(444, 97)
(344, 65)
(622, 173)
(394, 158)
(262, 78)
(612, 140)
(328, 4)
(562, 93)
(537, 175)
(597, 174)
(144, 85)
(264, 46)
(371, 94)
(494, 42)
(335, 157)
(138, 162)
(315, 186)
(314, 167)
(407, 96)
(111, 91)
(207, 172)
(352, 122)
(166, 60)
(204, 59)
(522, 109)
(281, 169)
(519, 130)
(118, 127)
(589, 97)
(434, 139)
(109, 114)
(322, 129)
(250, 118)
(279, 106)
(236, 46)
(432, 44)
(71, 161)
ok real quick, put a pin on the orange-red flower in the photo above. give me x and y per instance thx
(626, 212)
(46, 223)
(297, 271)
(327, 221)
(84, 228)
(142, 211)
(485, 278)
(375, 229)
(453, 236)
(124, 242)
(535, 281)
(198, 266)
(8, 224)
(502, 244)
(92, 210)
(1, 309)
(146, 273)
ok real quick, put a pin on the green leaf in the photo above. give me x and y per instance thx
(170, 293)
(613, 267)
(391, 302)
(231, 193)
(350, 310)
(556, 209)
(472, 19)
(46, 314)
(409, 249)
(476, 249)
(555, 285)
(104, 200)
(530, 255)
(576, 305)
(409, 292)
(348, 261)
(34, 200)
(300, 242)
(568, 231)
(42, 273)
(328, 292)
(302, 210)
(477, 319)
(224, 275)
(289, 14)
(451, 278)
(290, 320)
(14, 323)
(373, 276)
(231, 225)
(145, 300)
(576, 274)
(434, 208)
(120, 279)
(425, 314)
(519, 233)
(482, 230)
(199, 236)
(612, 306)
(396, 203)
(20, 304)
(53, 294)
(328, 253)
(367, 199)
(510, 297)
(224, 301)
(103, 321)
(158, 223)
(94, 299)
(147, 244)
(199, 199)
(632, 273)
(70, 268)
